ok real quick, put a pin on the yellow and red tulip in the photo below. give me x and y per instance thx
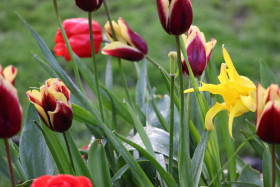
(268, 113)
(128, 45)
(238, 92)
(9, 73)
(77, 32)
(53, 104)
(198, 51)
(89, 5)
(10, 109)
(175, 15)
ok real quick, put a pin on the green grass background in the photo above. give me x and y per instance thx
(249, 29)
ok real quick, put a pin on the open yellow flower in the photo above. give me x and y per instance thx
(238, 92)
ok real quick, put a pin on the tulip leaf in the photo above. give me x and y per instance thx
(50, 71)
(256, 143)
(82, 115)
(267, 167)
(165, 175)
(109, 74)
(250, 176)
(34, 153)
(141, 85)
(98, 164)
(267, 76)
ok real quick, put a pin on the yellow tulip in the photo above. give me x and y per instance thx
(238, 92)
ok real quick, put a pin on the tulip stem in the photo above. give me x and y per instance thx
(109, 18)
(157, 65)
(9, 162)
(95, 66)
(273, 165)
(69, 151)
(73, 60)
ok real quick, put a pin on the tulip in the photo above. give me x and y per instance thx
(77, 31)
(89, 5)
(198, 51)
(128, 45)
(9, 73)
(175, 15)
(268, 113)
(10, 109)
(61, 180)
(53, 104)
(238, 92)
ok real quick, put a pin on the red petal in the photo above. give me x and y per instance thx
(84, 181)
(63, 180)
(41, 181)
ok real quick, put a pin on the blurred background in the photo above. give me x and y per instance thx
(249, 29)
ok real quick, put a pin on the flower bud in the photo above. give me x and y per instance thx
(53, 104)
(268, 113)
(89, 5)
(198, 51)
(9, 73)
(10, 110)
(77, 32)
(175, 15)
(128, 45)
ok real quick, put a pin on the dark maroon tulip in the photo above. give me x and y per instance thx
(89, 5)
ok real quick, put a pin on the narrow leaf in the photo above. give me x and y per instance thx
(141, 85)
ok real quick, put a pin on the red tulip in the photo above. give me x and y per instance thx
(61, 180)
(77, 31)
(268, 113)
(128, 45)
(198, 51)
(53, 104)
(10, 109)
(175, 15)
(89, 5)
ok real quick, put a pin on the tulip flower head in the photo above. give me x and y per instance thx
(53, 104)
(61, 180)
(128, 45)
(9, 73)
(89, 5)
(175, 15)
(10, 109)
(238, 92)
(268, 113)
(198, 51)
(77, 32)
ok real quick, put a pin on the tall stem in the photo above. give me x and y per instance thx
(9, 162)
(69, 151)
(95, 66)
(273, 166)
(73, 60)
(109, 18)
(157, 65)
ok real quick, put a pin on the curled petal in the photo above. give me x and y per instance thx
(10, 73)
(34, 96)
(268, 126)
(61, 118)
(250, 100)
(10, 110)
(117, 31)
(212, 113)
(124, 51)
(209, 47)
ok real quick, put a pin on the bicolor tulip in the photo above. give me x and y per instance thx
(53, 104)
(238, 92)
(89, 5)
(268, 113)
(10, 109)
(128, 45)
(61, 180)
(198, 51)
(77, 32)
(9, 73)
(175, 15)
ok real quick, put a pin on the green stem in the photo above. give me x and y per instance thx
(69, 151)
(95, 66)
(273, 166)
(109, 18)
(9, 162)
(73, 60)
(157, 65)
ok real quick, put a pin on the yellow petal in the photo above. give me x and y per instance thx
(34, 96)
(232, 73)
(42, 114)
(250, 101)
(223, 78)
(210, 45)
(212, 113)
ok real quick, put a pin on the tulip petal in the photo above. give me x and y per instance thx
(64, 180)
(10, 110)
(10, 73)
(273, 92)
(85, 181)
(132, 37)
(268, 126)
(261, 99)
(42, 114)
(117, 31)
(209, 47)
(34, 96)
(211, 114)
(61, 117)
(121, 50)
(163, 12)
(41, 181)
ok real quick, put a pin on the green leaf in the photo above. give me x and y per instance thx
(141, 85)
(255, 142)
(98, 164)
(249, 176)
(50, 71)
(34, 153)
(165, 175)
(267, 168)
(82, 115)
(267, 76)
(198, 157)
